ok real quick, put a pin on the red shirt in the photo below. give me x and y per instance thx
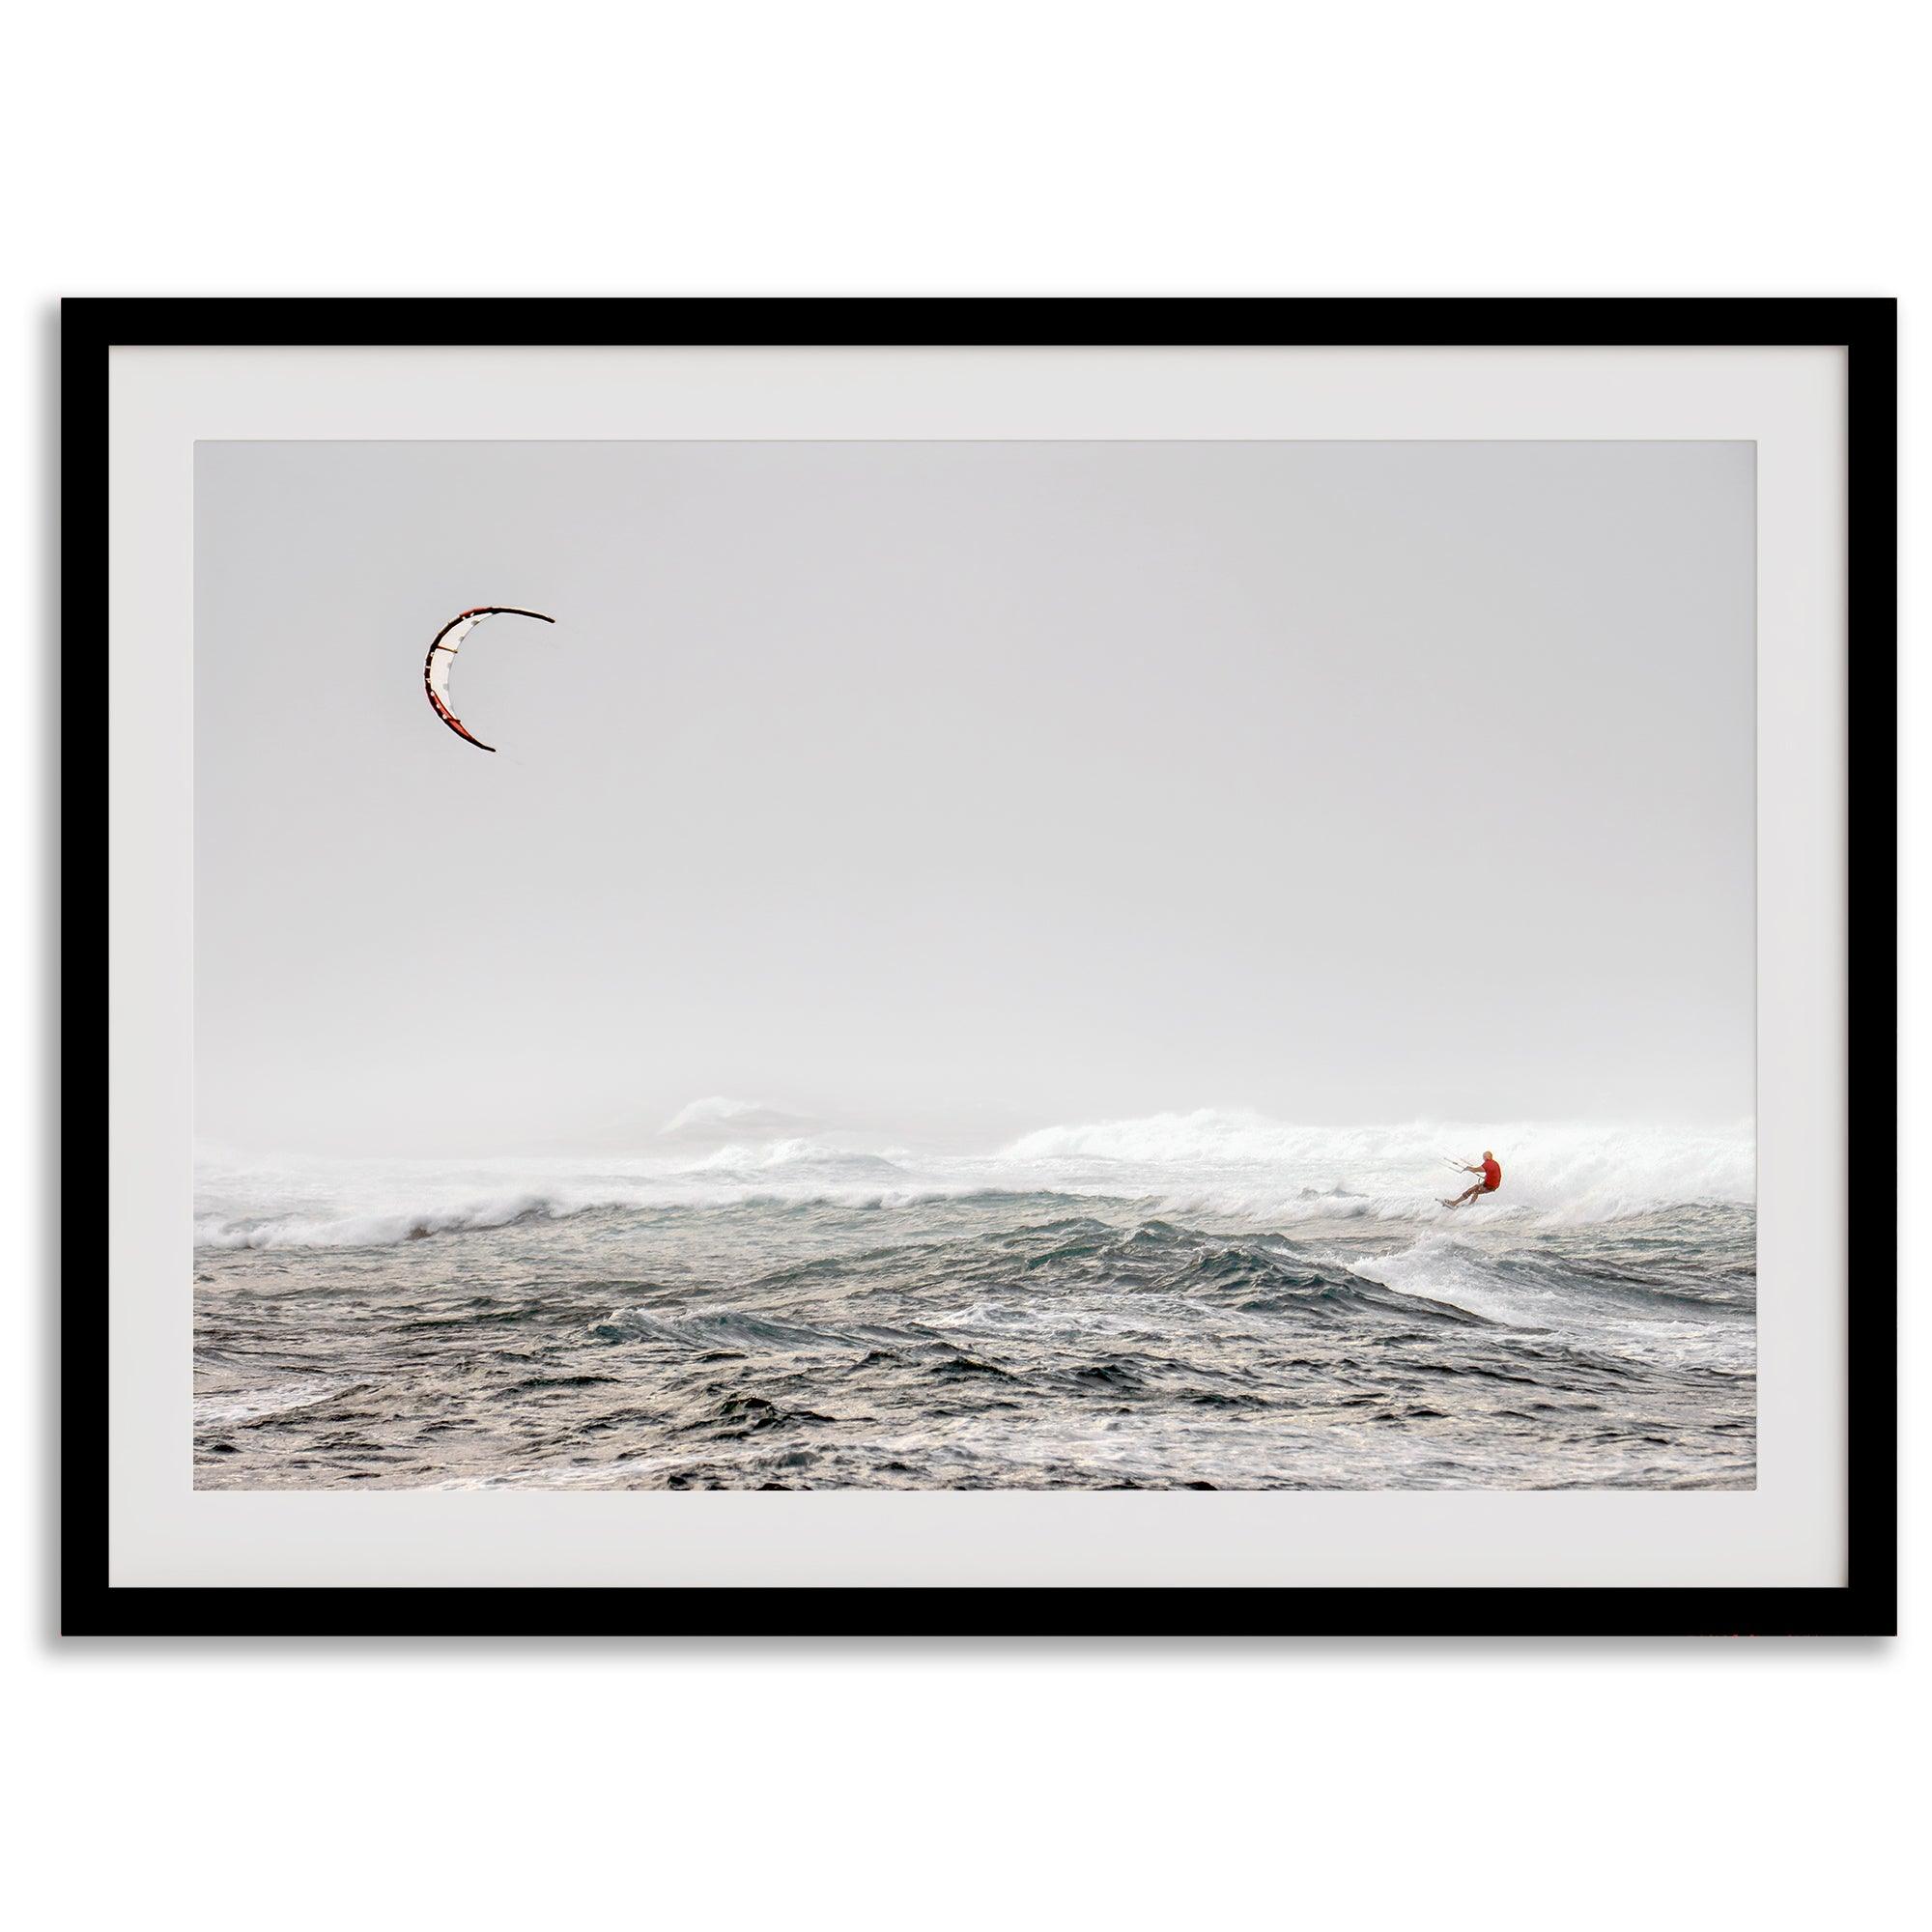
(1492, 1175)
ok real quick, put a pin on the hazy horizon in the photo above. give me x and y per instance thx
(970, 788)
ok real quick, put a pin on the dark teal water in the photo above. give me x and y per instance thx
(1004, 1339)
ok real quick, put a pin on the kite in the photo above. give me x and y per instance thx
(442, 654)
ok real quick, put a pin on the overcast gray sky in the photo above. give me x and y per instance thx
(974, 785)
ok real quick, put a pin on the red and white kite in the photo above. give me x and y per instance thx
(442, 654)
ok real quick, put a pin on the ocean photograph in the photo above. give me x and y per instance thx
(971, 966)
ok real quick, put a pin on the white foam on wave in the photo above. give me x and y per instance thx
(1246, 1163)
(224, 1407)
(352, 1230)
(1225, 1166)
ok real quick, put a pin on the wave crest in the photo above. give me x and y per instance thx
(1206, 1166)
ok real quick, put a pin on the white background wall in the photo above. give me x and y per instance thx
(997, 148)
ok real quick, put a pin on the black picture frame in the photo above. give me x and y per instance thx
(1865, 328)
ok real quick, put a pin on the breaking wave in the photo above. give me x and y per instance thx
(349, 1230)
(1247, 1165)
(1234, 1168)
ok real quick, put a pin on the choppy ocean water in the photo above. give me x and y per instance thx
(1195, 1300)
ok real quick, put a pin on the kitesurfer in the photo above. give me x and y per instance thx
(1489, 1169)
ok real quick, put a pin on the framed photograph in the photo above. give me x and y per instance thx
(963, 966)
